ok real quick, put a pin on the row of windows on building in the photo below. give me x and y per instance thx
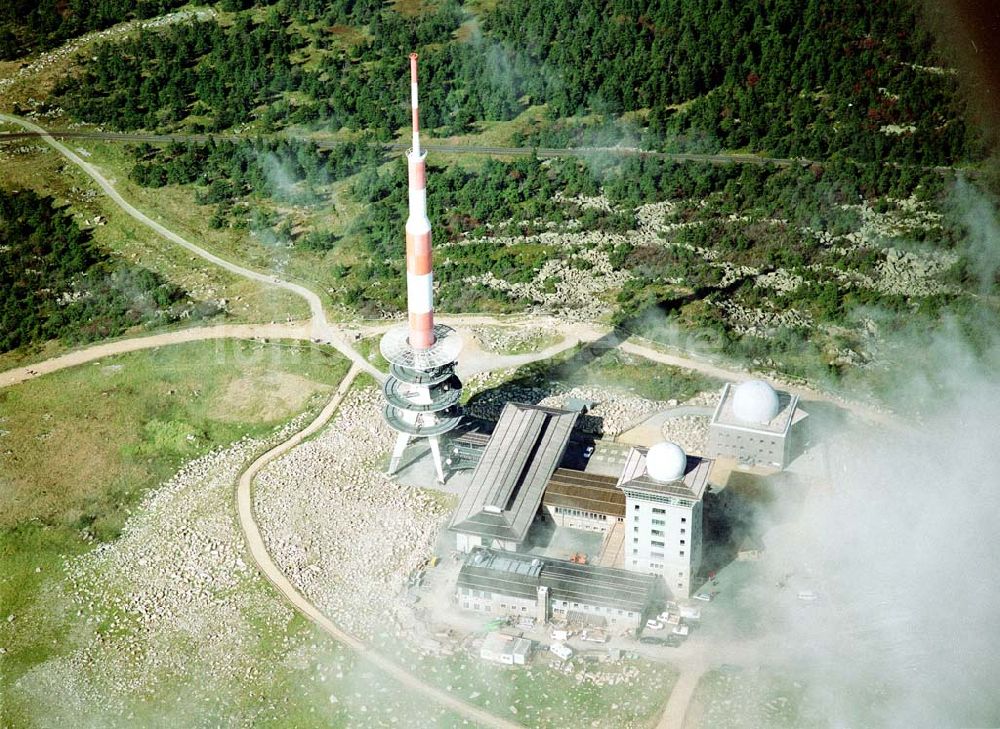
(661, 498)
(656, 569)
(656, 543)
(561, 605)
(656, 555)
(578, 512)
(659, 512)
(564, 605)
(741, 442)
(657, 522)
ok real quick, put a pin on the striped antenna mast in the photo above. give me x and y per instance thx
(419, 277)
(422, 391)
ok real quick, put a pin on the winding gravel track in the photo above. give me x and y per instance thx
(321, 329)
(320, 326)
(267, 566)
(299, 330)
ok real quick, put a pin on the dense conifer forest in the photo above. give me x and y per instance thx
(856, 98)
(33, 25)
(701, 75)
(55, 283)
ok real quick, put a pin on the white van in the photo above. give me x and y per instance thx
(562, 650)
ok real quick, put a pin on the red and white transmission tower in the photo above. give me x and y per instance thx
(422, 390)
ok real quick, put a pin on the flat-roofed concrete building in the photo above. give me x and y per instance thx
(752, 424)
(506, 487)
(511, 583)
(663, 490)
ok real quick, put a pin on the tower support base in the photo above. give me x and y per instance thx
(403, 440)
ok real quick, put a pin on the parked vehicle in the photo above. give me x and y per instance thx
(562, 650)
(807, 595)
(588, 451)
(560, 634)
(704, 596)
(681, 630)
(654, 625)
(594, 636)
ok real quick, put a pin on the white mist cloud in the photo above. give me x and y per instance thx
(981, 246)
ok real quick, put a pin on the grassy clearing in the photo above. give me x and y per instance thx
(131, 420)
(730, 698)
(80, 447)
(540, 696)
(277, 671)
(369, 349)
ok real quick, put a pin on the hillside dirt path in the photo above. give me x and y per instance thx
(297, 330)
(270, 570)
(475, 359)
(321, 327)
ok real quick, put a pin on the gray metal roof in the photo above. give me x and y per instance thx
(490, 570)
(507, 485)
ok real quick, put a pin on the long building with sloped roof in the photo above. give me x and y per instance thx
(508, 482)
(512, 583)
(580, 500)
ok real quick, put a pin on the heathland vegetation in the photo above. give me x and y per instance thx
(79, 449)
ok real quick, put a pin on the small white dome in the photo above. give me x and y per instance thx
(666, 462)
(755, 401)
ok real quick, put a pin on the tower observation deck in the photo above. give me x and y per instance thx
(422, 391)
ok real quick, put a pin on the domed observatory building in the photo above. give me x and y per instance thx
(663, 500)
(752, 424)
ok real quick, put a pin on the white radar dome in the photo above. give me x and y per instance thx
(755, 401)
(666, 462)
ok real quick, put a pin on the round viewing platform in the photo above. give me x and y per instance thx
(395, 347)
